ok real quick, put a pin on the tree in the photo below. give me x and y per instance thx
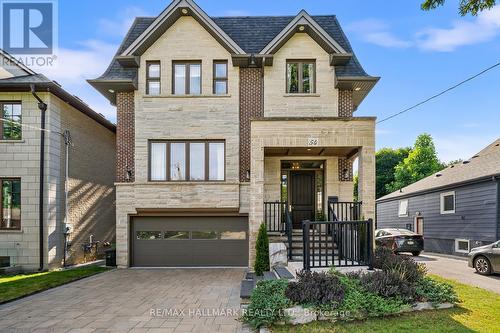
(420, 163)
(261, 251)
(466, 6)
(386, 161)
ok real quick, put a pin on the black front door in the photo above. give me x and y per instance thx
(302, 197)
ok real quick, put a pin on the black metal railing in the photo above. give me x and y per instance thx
(274, 216)
(289, 231)
(337, 244)
(344, 211)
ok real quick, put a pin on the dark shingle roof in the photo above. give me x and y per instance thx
(251, 33)
(486, 163)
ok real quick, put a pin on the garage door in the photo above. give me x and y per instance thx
(189, 241)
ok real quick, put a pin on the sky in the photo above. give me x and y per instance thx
(416, 54)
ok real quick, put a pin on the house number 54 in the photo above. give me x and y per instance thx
(312, 142)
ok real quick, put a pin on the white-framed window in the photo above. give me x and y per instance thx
(403, 208)
(448, 203)
(462, 245)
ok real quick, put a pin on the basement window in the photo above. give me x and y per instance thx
(462, 245)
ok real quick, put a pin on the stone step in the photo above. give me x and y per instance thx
(283, 272)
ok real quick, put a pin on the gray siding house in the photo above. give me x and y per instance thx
(455, 209)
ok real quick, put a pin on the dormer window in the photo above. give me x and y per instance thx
(153, 72)
(187, 78)
(300, 76)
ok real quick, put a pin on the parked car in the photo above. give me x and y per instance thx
(400, 240)
(485, 259)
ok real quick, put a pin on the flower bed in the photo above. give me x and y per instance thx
(399, 285)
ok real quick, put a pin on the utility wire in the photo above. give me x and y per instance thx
(441, 93)
(28, 126)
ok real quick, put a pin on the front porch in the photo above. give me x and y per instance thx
(302, 171)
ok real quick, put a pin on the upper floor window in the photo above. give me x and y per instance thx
(10, 127)
(300, 76)
(187, 161)
(153, 80)
(448, 203)
(10, 199)
(186, 78)
(403, 208)
(220, 77)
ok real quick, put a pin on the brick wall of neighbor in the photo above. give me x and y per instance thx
(346, 105)
(92, 173)
(125, 131)
(324, 103)
(251, 107)
(345, 164)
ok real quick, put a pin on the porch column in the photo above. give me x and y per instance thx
(366, 185)
(256, 214)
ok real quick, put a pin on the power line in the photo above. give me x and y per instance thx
(441, 93)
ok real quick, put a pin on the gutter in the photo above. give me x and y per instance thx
(43, 108)
(440, 188)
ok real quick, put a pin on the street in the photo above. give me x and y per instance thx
(458, 270)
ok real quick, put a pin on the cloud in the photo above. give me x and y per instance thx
(119, 26)
(462, 32)
(378, 32)
(456, 147)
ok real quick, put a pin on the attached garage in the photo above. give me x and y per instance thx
(187, 241)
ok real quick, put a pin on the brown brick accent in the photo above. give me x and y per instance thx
(346, 105)
(251, 107)
(125, 135)
(345, 170)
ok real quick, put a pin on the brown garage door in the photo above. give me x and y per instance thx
(189, 241)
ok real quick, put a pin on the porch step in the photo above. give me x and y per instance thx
(283, 272)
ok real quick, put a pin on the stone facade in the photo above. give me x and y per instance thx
(356, 132)
(91, 173)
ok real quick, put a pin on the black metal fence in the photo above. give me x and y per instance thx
(275, 216)
(344, 211)
(337, 244)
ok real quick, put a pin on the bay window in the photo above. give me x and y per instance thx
(10, 199)
(187, 161)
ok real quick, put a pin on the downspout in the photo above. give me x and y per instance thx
(43, 108)
(66, 229)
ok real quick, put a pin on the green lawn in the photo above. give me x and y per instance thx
(479, 311)
(12, 287)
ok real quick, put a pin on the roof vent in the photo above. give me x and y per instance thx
(498, 144)
(475, 156)
(465, 162)
(452, 166)
(438, 175)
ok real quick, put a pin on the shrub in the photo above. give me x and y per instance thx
(388, 284)
(267, 304)
(404, 266)
(262, 251)
(317, 289)
(360, 303)
(436, 292)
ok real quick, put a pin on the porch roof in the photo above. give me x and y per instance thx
(346, 152)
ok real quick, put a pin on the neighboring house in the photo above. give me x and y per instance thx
(217, 115)
(91, 172)
(455, 209)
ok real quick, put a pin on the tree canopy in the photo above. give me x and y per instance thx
(466, 6)
(386, 160)
(421, 162)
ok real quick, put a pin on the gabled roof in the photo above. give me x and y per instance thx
(175, 10)
(253, 35)
(482, 166)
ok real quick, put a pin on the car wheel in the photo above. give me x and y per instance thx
(416, 254)
(482, 265)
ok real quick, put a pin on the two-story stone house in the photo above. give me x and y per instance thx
(50, 210)
(217, 115)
